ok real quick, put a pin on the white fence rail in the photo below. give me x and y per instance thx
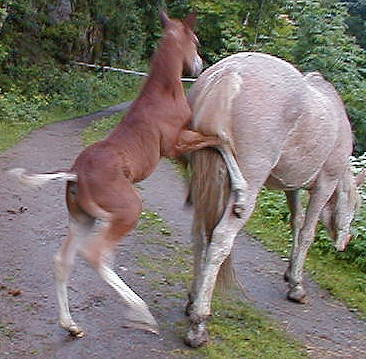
(109, 68)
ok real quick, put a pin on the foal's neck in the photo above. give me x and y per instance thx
(166, 67)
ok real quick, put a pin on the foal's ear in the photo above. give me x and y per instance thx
(360, 178)
(191, 20)
(164, 18)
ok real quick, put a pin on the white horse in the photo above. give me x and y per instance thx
(287, 131)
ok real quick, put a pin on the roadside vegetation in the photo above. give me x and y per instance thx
(67, 95)
(100, 129)
(40, 40)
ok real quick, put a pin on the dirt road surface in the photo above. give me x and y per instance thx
(33, 224)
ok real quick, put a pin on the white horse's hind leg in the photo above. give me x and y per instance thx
(199, 250)
(96, 252)
(217, 251)
(64, 261)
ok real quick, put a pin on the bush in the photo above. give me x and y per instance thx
(68, 89)
(15, 107)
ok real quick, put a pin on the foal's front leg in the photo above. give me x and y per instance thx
(238, 184)
(189, 141)
(192, 141)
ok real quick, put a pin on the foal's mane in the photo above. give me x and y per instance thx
(166, 65)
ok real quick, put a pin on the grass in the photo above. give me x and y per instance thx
(6, 331)
(99, 129)
(344, 279)
(12, 130)
(237, 329)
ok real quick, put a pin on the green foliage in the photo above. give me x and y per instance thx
(68, 89)
(225, 28)
(18, 108)
(312, 34)
(59, 96)
(357, 20)
(323, 45)
(100, 129)
(110, 32)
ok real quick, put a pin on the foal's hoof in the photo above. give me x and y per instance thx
(297, 294)
(72, 328)
(197, 335)
(239, 203)
(75, 331)
(238, 209)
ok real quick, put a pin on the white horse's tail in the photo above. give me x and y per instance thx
(209, 194)
(39, 179)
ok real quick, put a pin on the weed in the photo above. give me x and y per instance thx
(6, 331)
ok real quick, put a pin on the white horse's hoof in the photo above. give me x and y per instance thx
(76, 332)
(197, 335)
(297, 294)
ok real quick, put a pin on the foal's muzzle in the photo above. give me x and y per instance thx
(196, 66)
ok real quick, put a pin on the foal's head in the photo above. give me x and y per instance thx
(340, 210)
(181, 32)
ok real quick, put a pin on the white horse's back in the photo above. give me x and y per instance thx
(277, 120)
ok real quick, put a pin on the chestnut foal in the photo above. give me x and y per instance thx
(102, 201)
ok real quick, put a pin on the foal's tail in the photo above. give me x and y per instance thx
(209, 193)
(39, 179)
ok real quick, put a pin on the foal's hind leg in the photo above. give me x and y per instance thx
(97, 253)
(119, 221)
(64, 260)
